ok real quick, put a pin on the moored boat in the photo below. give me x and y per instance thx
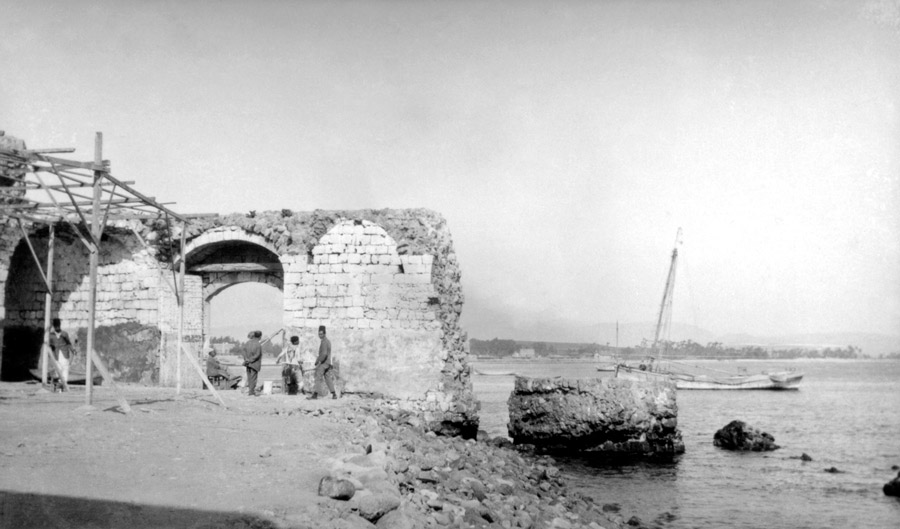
(489, 373)
(784, 380)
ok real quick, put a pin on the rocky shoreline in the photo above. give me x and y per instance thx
(405, 476)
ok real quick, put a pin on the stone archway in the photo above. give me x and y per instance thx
(228, 256)
(215, 260)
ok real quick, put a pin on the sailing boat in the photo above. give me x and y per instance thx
(653, 368)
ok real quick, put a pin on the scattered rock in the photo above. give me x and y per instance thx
(437, 481)
(738, 435)
(399, 519)
(833, 470)
(374, 506)
(805, 457)
(338, 489)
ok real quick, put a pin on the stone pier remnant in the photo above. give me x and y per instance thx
(611, 415)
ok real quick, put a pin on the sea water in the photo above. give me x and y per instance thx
(846, 416)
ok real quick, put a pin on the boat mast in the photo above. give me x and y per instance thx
(665, 308)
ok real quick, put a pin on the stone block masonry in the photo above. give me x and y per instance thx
(386, 283)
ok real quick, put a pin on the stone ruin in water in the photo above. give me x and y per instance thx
(611, 416)
(386, 283)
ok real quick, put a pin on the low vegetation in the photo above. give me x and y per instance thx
(684, 349)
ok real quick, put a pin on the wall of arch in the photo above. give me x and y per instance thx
(379, 308)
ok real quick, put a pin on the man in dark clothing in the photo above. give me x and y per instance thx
(253, 361)
(324, 366)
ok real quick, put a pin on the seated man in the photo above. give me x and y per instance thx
(215, 369)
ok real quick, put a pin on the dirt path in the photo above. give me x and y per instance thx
(176, 461)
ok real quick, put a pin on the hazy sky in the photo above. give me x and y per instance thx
(564, 142)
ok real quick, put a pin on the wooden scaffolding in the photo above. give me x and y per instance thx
(51, 191)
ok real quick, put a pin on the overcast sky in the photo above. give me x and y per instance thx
(564, 142)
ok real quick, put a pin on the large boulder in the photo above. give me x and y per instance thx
(597, 415)
(892, 487)
(738, 435)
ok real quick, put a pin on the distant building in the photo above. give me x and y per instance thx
(524, 353)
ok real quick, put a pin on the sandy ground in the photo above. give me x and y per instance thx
(175, 461)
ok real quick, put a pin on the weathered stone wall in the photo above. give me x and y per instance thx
(192, 334)
(127, 282)
(10, 191)
(380, 308)
(604, 415)
(386, 283)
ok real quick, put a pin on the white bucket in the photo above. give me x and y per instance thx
(267, 387)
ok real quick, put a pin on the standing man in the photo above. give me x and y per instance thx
(324, 366)
(61, 349)
(291, 357)
(253, 361)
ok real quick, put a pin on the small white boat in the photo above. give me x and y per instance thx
(778, 380)
(490, 373)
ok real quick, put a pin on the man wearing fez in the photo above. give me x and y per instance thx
(324, 367)
(61, 349)
(253, 361)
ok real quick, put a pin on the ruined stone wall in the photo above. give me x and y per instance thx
(127, 289)
(9, 230)
(192, 333)
(379, 306)
(127, 282)
(386, 283)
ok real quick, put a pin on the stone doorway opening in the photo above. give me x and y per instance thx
(240, 308)
(242, 285)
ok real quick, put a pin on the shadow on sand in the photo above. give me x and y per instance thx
(23, 510)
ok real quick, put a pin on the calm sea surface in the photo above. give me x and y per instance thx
(846, 415)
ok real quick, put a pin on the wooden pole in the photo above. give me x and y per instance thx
(180, 299)
(48, 304)
(95, 259)
(109, 380)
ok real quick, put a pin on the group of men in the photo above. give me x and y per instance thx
(298, 366)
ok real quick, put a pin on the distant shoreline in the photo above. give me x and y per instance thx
(509, 360)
